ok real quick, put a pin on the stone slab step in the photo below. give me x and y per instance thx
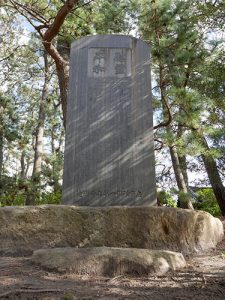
(108, 261)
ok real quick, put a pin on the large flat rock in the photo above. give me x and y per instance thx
(25, 229)
(108, 261)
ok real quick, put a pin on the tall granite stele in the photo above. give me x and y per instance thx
(109, 152)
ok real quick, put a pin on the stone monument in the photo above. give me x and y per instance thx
(109, 152)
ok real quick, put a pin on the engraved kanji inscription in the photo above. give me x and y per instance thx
(120, 63)
(99, 62)
(109, 62)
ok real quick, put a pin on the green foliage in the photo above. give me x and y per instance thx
(206, 201)
(11, 192)
(189, 75)
(10, 199)
(102, 17)
(49, 198)
(111, 16)
(183, 198)
(8, 118)
(165, 199)
(18, 198)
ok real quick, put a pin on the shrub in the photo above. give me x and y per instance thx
(18, 198)
(49, 198)
(12, 199)
(165, 199)
(206, 201)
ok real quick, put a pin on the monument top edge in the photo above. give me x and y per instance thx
(88, 39)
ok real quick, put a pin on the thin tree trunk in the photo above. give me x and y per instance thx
(23, 165)
(27, 167)
(1, 157)
(63, 78)
(183, 166)
(1, 152)
(54, 171)
(182, 158)
(1, 140)
(213, 174)
(38, 148)
(184, 197)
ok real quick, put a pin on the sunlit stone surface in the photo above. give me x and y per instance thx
(109, 153)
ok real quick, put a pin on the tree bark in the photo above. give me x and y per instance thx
(182, 158)
(23, 165)
(213, 174)
(184, 197)
(55, 173)
(183, 166)
(38, 148)
(1, 141)
(1, 152)
(1, 158)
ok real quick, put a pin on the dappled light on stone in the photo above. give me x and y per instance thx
(109, 152)
(25, 229)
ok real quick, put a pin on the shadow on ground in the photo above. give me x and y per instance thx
(19, 279)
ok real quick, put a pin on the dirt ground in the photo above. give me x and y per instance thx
(203, 278)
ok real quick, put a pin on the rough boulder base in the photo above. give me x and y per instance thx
(25, 229)
(106, 261)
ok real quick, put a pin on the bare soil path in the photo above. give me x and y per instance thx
(203, 278)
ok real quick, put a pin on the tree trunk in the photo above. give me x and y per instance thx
(1, 140)
(1, 152)
(38, 148)
(183, 166)
(63, 48)
(1, 156)
(23, 165)
(63, 78)
(55, 177)
(182, 158)
(184, 197)
(213, 174)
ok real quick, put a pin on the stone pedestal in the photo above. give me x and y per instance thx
(28, 228)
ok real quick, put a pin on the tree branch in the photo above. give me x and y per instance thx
(54, 28)
(37, 16)
(11, 54)
(167, 106)
(160, 142)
